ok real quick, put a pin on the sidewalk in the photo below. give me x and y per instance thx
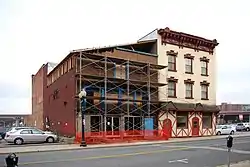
(64, 147)
(239, 164)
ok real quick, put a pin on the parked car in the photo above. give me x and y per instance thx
(233, 127)
(30, 135)
(224, 130)
(246, 125)
(3, 131)
(240, 127)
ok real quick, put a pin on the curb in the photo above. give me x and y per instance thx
(238, 164)
(127, 144)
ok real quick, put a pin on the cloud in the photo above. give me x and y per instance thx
(12, 105)
(34, 32)
(14, 98)
(13, 90)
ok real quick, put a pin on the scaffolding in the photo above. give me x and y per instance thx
(122, 95)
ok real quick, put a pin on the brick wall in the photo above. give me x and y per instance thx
(38, 87)
(60, 106)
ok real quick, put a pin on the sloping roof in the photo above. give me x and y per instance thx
(149, 37)
(113, 46)
(51, 66)
(190, 107)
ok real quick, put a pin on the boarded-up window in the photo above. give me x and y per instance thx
(65, 68)
(69, 64)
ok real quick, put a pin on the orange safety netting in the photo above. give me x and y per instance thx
(122, 136)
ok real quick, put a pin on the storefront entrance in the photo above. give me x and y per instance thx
(167, 127)
(113, 125)
(195, 126)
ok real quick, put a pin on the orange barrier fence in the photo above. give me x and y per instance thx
(122, 136)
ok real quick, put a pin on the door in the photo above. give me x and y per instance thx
(167, 127)
(38, 136)
(225, 130)
(195, 126)
(26, 135)
(112, 125)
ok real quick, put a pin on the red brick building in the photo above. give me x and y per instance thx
(55, 89)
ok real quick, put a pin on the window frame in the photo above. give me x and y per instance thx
(206, 84)
(189, 81)
(21, 132)
(174, 55)
(174, 82)
(182, 114)
(210, 122)
(40, 132)
(190, 58)
(206, 61)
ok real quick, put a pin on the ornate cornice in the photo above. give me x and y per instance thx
(172, 53)
(172, 79)
(205, 83)
(188, 81)
(186, 40)
(188, 56)
(204, 59)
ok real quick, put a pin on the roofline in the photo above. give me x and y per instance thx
(147, 34)
(68, 56)
(112, 46)
(91, 49)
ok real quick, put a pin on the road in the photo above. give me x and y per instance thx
(209, 153)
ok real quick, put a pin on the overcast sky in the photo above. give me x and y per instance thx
(33, 32)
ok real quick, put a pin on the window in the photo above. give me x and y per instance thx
(189, 65)
(204, 68)
(95, 123)
(207, 120)
(182, 120)
(65, 67)
(171, 89)
(61, 68)
(189, 90)
(171, 63)
(133, 123)
(69, 64)
(35, 131)
(204, 92)
(25, 132)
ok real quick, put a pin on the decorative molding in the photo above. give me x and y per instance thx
(188, 56)
(205, 83)
(172, 79)
(188, 81)
(186, 40)
(172, 53)
(204, 59)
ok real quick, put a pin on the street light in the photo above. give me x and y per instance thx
(82, 96)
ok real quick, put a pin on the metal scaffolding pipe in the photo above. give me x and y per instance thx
(149, 94)
(128, 95)
(105, 94)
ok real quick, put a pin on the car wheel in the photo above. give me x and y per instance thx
(247, 129)
(18, 141)
(218, 133)
(232, 132)
(50, 140)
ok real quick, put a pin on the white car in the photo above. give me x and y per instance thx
(246, 125)
(30, 135)
(225, 130)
